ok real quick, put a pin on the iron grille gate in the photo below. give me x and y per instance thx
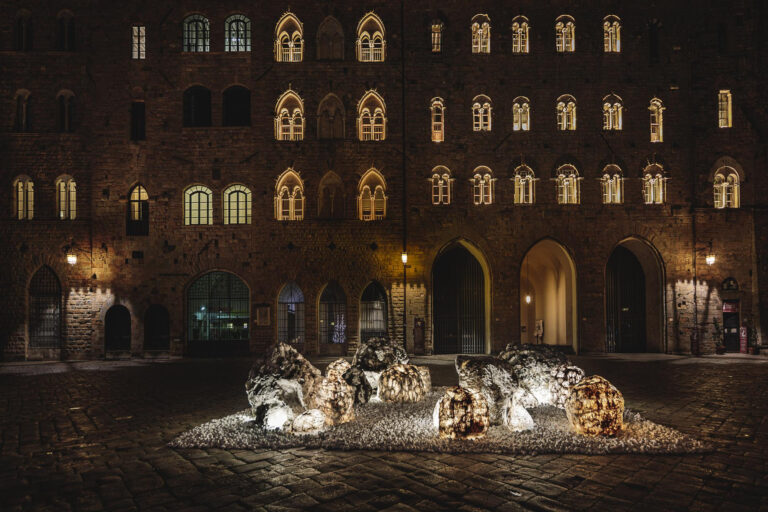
(373, 313)
(45, 310)
(218, 315)
(625, 302)
(333, 315)
(459, 303)
(290, 315)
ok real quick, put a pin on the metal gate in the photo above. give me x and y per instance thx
(625, 302)
(218, 312)
(459, 303)
(117, 329)
(45, 310)
(373, 313)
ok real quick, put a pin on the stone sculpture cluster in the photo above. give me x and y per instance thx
(594, 407)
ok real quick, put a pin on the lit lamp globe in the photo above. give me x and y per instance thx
(71, 258)
(710, 259)
(404, 257)
(528, 299)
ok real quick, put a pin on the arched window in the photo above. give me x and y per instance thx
(22, 36)
(23, 198)
(654, 185)
(481, 113)
(520, 39)
(521, 114)
(568, 185)
(289, 196)
(565, 34)
(332, 315)
(437, 36)
(137, 223)
(442, 185)
(372, 199)
(218, 314)
(525, 185)
(566, 112)
(612, 34)
(289, 117)
(65, 33)
(612, 184)
(45, 309)
(373, 313)
(612, 112)
(21, 120)
(330, 118)
(289, 39)
(66, 198)
(331, 197)
(290, 314)
(726, 188)
(237, 205)
(437, 110)
(330, 40)
(657, 120)
(66, 111)
(236, 106)
(371, 42)
(481, 34)
(482, 185)
(371, 117)
(237, 34)
(197, 106)
(725, 109)
(198, 206)
(196, 36)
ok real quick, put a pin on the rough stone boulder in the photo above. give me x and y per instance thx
(338, 367)
(378, 354)
(515, 417)
(426, 378)
(461, 414)
(332, 395)
(356, 378)
(401, 383)
(544, 374)
(595, 407)
(490, 376)
(309, 422)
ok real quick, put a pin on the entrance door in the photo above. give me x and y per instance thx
(117, 329)
(44, 310)
(731, 325)
(625, 301)
(459, 303)
(157, 328)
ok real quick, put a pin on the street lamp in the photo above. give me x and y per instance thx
(404, 259)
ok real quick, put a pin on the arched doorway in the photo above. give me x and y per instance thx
(117, 329)
(290, 315)
(459, 291)
(44, 310)
(157, 328)
(548, 309)
(332, 320)
(373, 312)
(218, 314)
(634, 298)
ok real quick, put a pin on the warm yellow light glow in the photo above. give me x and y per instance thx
(710, 259)
(527, 299)
(71, 258)
(404, 257)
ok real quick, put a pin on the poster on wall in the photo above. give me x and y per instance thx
(743, 339)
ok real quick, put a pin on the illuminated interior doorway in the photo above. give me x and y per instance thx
(373, 312)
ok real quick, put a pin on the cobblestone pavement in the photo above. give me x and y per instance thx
(92, 436)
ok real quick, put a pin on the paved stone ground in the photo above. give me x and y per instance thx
(92, 436)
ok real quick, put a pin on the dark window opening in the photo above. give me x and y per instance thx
(653, 43)
(21, 122)
(197, 106)
(138, 121)
(237, 107)
(65, 37)
(66, 113)
(23, 34)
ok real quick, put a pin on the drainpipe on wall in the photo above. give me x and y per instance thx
(404, 173)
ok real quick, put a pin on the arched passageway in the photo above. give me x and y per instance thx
(117, 329)
(218, 315)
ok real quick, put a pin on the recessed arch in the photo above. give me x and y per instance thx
(291, 314)
(331, 197)
(117, 329)
(373, 312)
(331, 118)
(330, 40)
(332, 318)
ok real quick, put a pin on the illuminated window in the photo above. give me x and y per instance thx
(65, 35)
(437, 110)
(442, 185)
(23, 198)
(525, 185)
(612, 34)
(66, 102)
(481, 113)
(483, 185)
(198, 207)
(565, 32)
(566, 112)
(521, 114)
(330, 118)
(726, 188)
(289, 196)
(22, 36)
(568, 185)
(481, 34)
(197, 32)
(237, 34)
(613, 185)
(371, 44)
(21, 121)
(237, 205)
(612, 112)
(197, 106)
(520, 39)
(657, 120)
(371, 117)
(138, 212)
(654, 185)
(437, 36)
(330, 40)
(66, 198)
(724, 109)
(289, 39)
(289, 117)
(290, 314)
(138, 42)
(372, 199)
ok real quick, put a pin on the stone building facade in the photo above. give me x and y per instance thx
(72, 94)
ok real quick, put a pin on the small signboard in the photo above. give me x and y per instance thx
(731, 306)
(743, 339)
(262, 316)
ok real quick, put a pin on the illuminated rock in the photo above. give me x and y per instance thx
(490, 376)
(334, 397)
(339, 367)
(378, 354)
(595, 408)
(515, 417)
(373, 379)
(461, 414)
(356, 378)
(309, 422)
(401, 383)
(426, 378)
